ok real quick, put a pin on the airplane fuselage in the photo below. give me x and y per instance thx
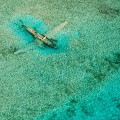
(40, 37)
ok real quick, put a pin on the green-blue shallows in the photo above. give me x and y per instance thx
(40, 27)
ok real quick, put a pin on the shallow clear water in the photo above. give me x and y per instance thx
(78, 81)
(26, 38)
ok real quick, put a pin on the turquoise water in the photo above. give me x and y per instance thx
(78, 81)
(63, 39)
(16, 27)
(103, 104)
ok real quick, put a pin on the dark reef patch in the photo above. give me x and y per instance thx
(99, 68)
(109, 11)
(106, 10)
(73, 101)
(8, 50)
(118, 106)
(116, 101)
(70, 112)
(86, 110)
(114, 62)
(117, 58)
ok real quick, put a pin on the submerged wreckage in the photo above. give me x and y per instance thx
(47, 39)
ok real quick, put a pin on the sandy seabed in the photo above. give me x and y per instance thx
(81, 81)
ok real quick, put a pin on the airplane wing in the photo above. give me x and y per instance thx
(52, 33)
(30, 46)
(25, 48)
